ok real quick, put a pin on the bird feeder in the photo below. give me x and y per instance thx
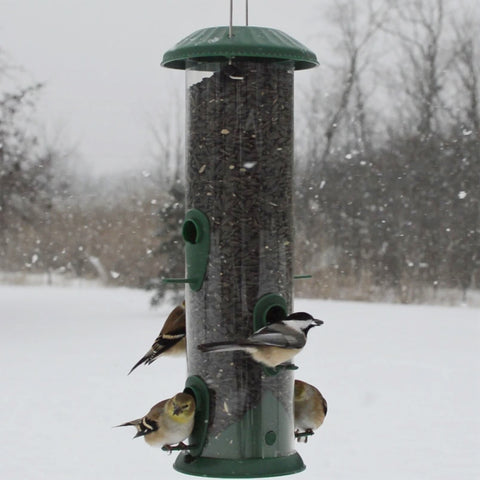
(238, 234)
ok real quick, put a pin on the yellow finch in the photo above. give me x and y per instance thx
(168, 422)
(310, 410)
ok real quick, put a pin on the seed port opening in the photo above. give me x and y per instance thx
(274, 314)
(191, 232)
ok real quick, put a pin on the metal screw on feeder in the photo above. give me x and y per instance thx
(238, 233)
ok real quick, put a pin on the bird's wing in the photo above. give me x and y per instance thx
(157, 409)
(174, 324)
(277, 335)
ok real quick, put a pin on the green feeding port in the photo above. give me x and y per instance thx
(196, 234)
(238, 234)
(196, 387)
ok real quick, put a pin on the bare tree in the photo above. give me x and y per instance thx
(339, 129)
(419, 25)
(466, 66)
(167, 148)
(23, 172)
(356, 34)
(464, 246)
(168, 155)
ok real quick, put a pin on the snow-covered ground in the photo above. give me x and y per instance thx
(402, 384)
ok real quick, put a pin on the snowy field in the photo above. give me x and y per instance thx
(402, 384)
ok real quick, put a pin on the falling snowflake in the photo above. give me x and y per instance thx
(462, 195)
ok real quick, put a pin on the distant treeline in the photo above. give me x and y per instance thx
(389, 153)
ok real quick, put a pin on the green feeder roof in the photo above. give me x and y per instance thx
(214, 44)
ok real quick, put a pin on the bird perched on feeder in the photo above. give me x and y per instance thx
(273, 344)
(170, 340)
(167, 423)
(310, 409)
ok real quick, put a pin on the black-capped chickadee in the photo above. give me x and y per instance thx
(273, 344)
(170, 340)
(168, 422)
(310, 408)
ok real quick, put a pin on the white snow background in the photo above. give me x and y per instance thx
(402, 384)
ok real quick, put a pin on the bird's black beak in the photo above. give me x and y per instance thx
(313, 323)
(141, 434)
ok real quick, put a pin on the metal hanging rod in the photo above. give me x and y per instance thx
(230, 27)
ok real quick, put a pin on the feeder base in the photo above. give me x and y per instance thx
(234, 468)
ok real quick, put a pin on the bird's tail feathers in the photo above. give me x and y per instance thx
(132, 423)
(221, 347)
(149, 357)
(139, 424)
(152, 355)
(142, 360)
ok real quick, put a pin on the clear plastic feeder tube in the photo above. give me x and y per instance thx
(239, 161)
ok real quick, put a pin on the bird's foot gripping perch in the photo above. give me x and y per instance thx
(286, 366)
(303, 436)
(178, 446)
(271, 371)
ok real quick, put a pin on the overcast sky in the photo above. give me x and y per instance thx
(100, 61)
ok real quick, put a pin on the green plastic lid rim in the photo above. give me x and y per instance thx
(213, 43)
